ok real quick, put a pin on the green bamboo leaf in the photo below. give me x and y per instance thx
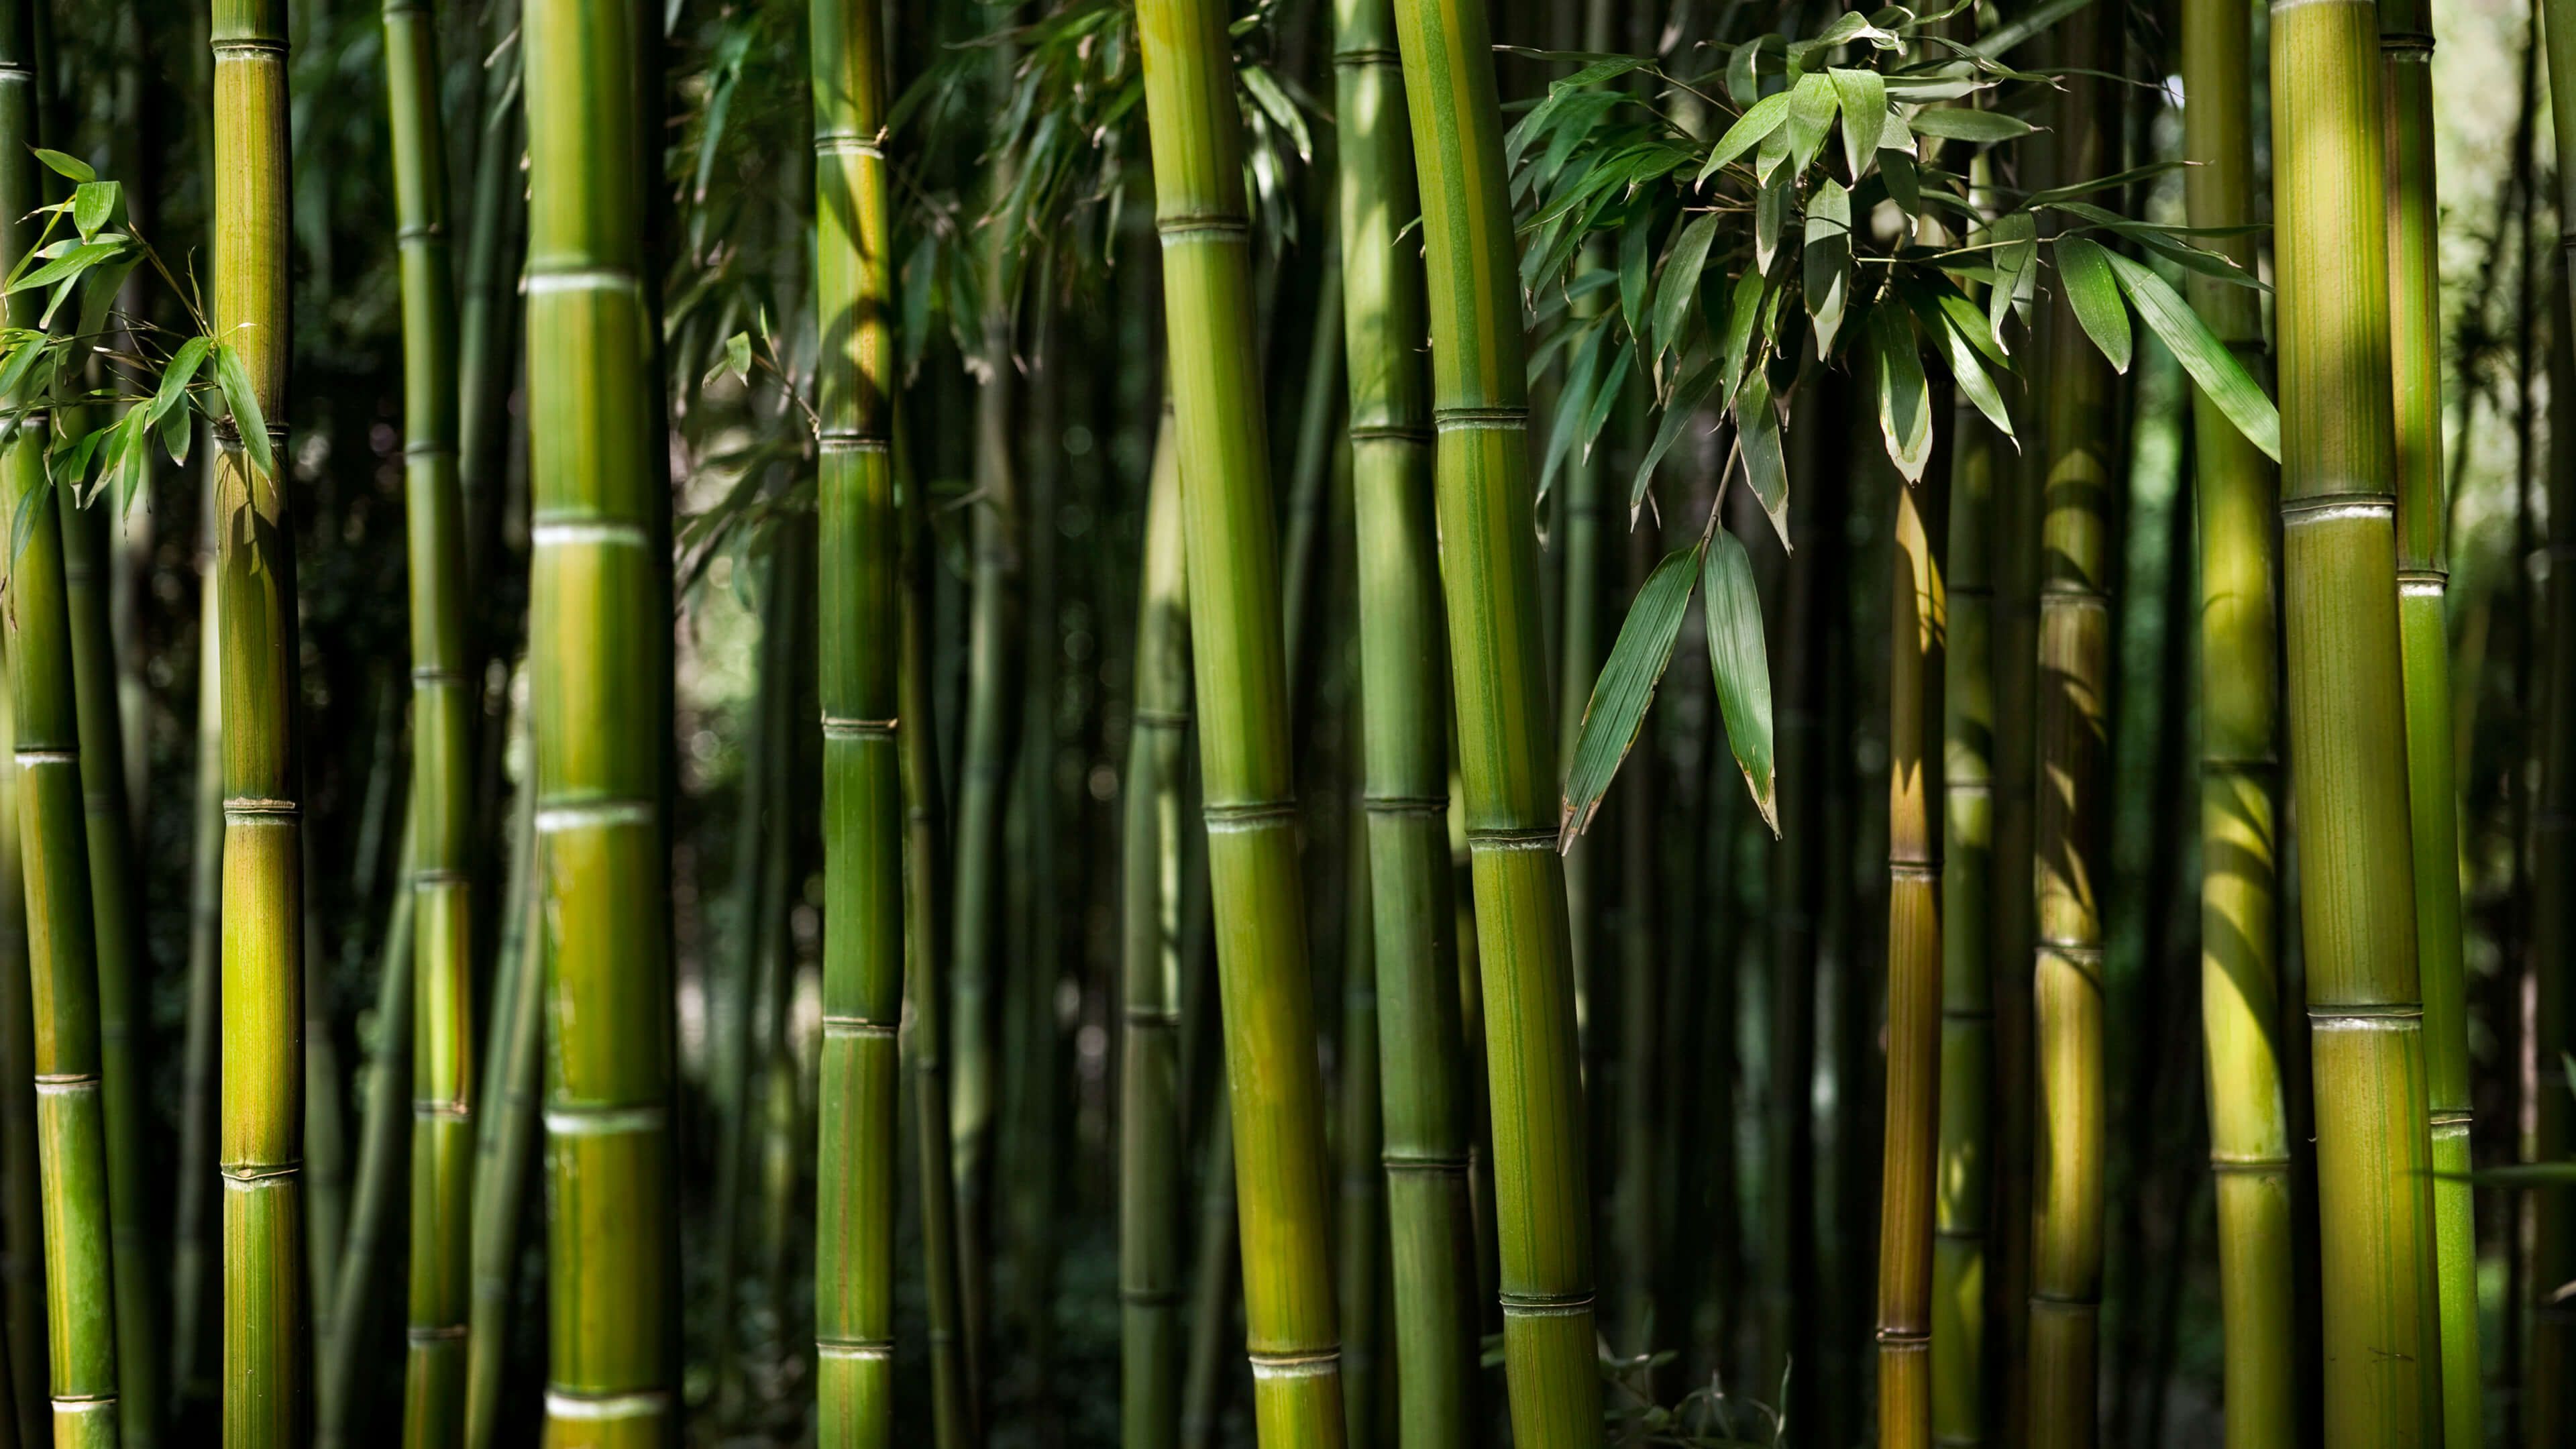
(736, 360)
(1274, 103)
(1627, 685)
(93, 205)
(1743, 82)
(32, 348)
(1826, 259)
(1573, 399)
(1959, 123)
(99, 293)
(70, 264)
(1679, 285)
(181, 371)
(1743, 313)
(1766, 469)
(1770, 218)
(2201, 354)
(1904, 397)
(1959, 349)
(62, 165)
(178, 431)
(1864, 106)
(1732, 609)
(2004, 37)
(1904, 187)
(2164, 240)
(1560, 95)
(1679, 412)
(1812, 104)
(233, 380)
(2015, 242)
(1607, 397)
(1757, 123)
(2094, 296)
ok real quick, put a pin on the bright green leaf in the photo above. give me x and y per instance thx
(1679, 284)
(2094, 297)
(2221, 377)
(1757, 432)
(1826, 259)
(175, 378)
(1958, 123)
(233, 380)
(1864, 106)
(1732, 609)
(62, 165)
(1770, 218)
(1811, 114)
(1636, 243)
(1627, 685)
(1680, 411)
(2015, 242)
(1904, 396)
(93, 205)
(1758, 121)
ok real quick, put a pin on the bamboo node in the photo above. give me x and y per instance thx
(2414, 45)
(1391, 433)
(2337, 507)
(248, 45)
(573, 1404)
(437, 1107)
(2258, 1166)
(1245, 819)
(432, 1333)
(2458, 1119)
(255, 807)
(584, 279)
(1546, 1305)
(858, 1026)
(1903, 1340)
(603, 1121)
(48, 757)
(2422, 583)
(1308, 1364)
(438, 674)
(2367, 1016)
(1425, 1166)
(1436, 805)
(1470, 420)
(252, 1176)
(1372, 55)
(1914, 870)
(1160, 719)
(841, 143)
(66, 1084)
(1216, 227)
(836, 727)
(576, 532)
(858, 1348)
(593, 814)
(1511, 840)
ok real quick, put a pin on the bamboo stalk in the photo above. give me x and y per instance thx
(62, 945)
(1242, 690)
(22, 1247)
(1360, 1238)
(1149, 1104)
(192, 1307)
(599, 680)
(1506, 745)
(1917, 670)
(2339, 566)
(506, 1134)
(487, 310)
(2249, 1138)
(1404, 664)
(860, 645)
(445, 693)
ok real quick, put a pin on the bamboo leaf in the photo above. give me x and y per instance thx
(1811, 114)
(2094, 296)
(1959, 123)
(1274, 103)
(1766, 470)
(1627, 685)
(93, 205)
(1679, 285)
(1826, 259)
(62, 165)
(1903, 186)
(71, 263)
(1959, 349)
(1770, 217)
(233, 380)
(1560, 95)
(1758, 121)
(2004, 37)
(1743, 313)
(175, 378)
(1863, 94)
(2015, 239)
(1607, 397)
(1904, 397)
(1732, 610)
(2220, 376)
(1679, 412)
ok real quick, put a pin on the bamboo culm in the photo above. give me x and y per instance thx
(22, 1278)
(505, 1134)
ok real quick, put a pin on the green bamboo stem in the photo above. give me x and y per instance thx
(861, 664)
(267, 1338)
(487, 311)
(2249, 1137)
(193, 1258)
(1917, 670)
(1242, 690)
(71, 1133)
(1405, 752)
(506, 1134)
(2339, 567)
(2549, 1369)
(1506, 745)
(1213, 1283)
(22, 1282)
(342, 1400)
(2013, 923)
(600, 685)
(1149, 1102)
(1360, 1243)
(445, 693)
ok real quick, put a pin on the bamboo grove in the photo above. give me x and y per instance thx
(1035, 723)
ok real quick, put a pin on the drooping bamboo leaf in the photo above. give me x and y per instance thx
(1863, 95)
(1758, 121)
(1560, 94)
(1904, 187)
(181, 371)
(2015, 242)
(233, 380)
(2094, 297)
(1627, 685)
(2004, 37)
(1959, 123)
(93, 206)
(70, 264)
(1757, 430)
(1606, 397)
(67, 166)
(1680, 411)
(1904, 396)
(1574, 398)
(1274, 102)
(1679, 285)
(1744, 310)
(1732, 609)
(1770, 216)
(2165, 241)
(1826, 259)
(1636, 254)
(1812, 104)
(2201, 354)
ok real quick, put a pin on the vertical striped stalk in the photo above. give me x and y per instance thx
(861, 642)
(344, 1394)
(1404, 708)
(267, 1344)
(2012, 921)
(1360, 1238)
(505, 1132)
(71, 1130)
(1963, 1183)
(22, 1283)
(2339, 566)
(1149, 1105)
(1506, 745)
(1917, 641)
(442, 774)
(192, 1256)
(598, 677)
(2549, 1392)
(1242, 688)
(2249, 1137)
(487, 311)
(2072, 810)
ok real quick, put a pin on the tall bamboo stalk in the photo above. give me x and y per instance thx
(192, 1256)
(487, 311)
(62, 947)
(1404, 705)
(1149, 1103)
(2249, 1139)
(267, 1346)
(22, 1248)
(506, 1132)
(598, 668)
(1242, 689)
(1506, 743)
(2070, 821)
(445, 690)
(861, 643)
(2339, 566)
(1963, 1182)
(1360, 1240)
(344, 1394)
(1917, 668)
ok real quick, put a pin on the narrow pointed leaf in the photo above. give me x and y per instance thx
(1758, 121)
(1766, 469)
(2202, 355)
(1958, 123)
(2094, 296)
(1863, 94)
(1826, 259)
(1904, 397)
(1627, 685)
(233, 380)
(1732, 608)
(1679, 285)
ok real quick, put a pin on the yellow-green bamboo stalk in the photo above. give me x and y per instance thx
(194, 1256)
(1506, 732)
(2249, 1138)
(62, 945)
(861, 641)
(1242, 687)
(22, 1249)
(444, 696)
(599, 682)
(2339, 568)
(506, 1130)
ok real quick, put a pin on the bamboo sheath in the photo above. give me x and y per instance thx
(444, 697)
(1963, 1184)
(21, 1201)
(1425, 1112)
(1149, 1103)
(599, 683)
(54, 857)
(2339, 565)
(1917, 669)
(1505, 743)
(2549, 1373)
(861, 643)
(2249, 1136)
(1241, 685)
